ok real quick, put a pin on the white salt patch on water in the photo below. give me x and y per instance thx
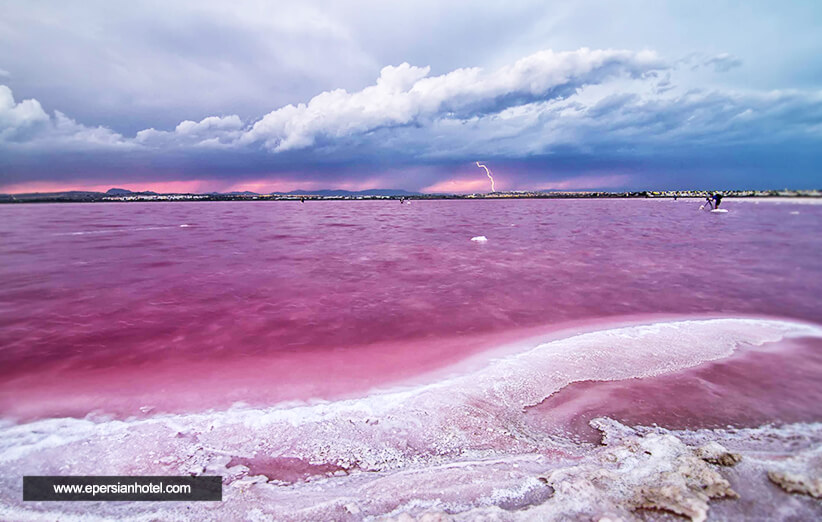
(112, 231)
(480, 239)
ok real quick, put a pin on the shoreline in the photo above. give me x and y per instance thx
(101, 197)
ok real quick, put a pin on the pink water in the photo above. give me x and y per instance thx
(346, 360)
(186, 306)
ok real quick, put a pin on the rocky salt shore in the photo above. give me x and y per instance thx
(649, 473)
(642, 473)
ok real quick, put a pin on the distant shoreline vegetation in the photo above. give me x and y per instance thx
(122, 195)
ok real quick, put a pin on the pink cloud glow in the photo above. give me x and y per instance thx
(479, 185)
(261, 186)
(264, 186)
(158, 186)
(466, 181)
(461, 186)
(588, 182)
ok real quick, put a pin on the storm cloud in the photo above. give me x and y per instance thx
(267, 98)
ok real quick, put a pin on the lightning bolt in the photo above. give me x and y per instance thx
(488, 173)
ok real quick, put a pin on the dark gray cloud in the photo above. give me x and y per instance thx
(724, 62)
(134, 65)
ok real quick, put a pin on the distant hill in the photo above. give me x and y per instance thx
(334, 192)
(126, 192)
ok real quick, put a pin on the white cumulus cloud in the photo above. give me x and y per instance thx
(26, 123)
(16, 119)
(590, 101)
(213, 131)
(405, 95)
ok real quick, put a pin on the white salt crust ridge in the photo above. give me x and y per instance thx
(457, 445)
(636, 469)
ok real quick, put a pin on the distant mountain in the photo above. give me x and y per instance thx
(242, 193)
(126, 192)
(334, 192)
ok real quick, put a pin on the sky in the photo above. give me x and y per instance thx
(201, 96)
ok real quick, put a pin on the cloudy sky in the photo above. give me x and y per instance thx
(267, 96)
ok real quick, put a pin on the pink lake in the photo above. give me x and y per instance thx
(190, 306)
